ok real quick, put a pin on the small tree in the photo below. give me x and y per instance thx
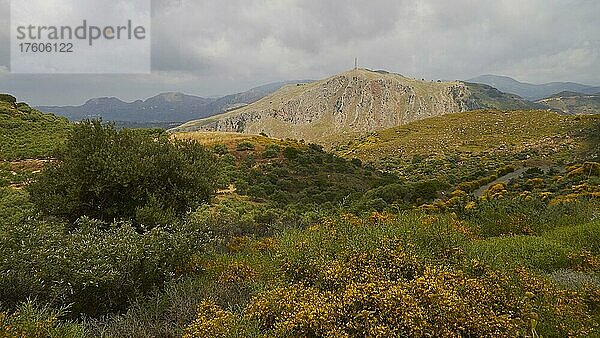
(107, 174)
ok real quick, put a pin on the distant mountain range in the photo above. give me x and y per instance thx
(353, 103)
(530, 91)
(165, 107)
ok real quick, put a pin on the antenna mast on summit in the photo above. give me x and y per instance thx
(355, 63)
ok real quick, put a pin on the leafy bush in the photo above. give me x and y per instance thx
(14, 206)
(97, 271)
(108, 174)
(271, 151)
(245, 146)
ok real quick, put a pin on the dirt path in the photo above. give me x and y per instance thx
(506, 178)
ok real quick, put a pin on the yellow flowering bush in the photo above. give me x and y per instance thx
(584, 261)
(497, 190)
(37, 322)
(212, 321)
(361, 297)
(349, 278)
(587, 169)
(237, 272)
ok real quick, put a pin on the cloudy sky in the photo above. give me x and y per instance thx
(215, 47)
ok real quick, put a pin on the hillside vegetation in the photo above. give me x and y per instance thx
(478, 224)
(28, 133)
(478, 132)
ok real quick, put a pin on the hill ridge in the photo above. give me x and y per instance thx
(531, 91)
(351, 103)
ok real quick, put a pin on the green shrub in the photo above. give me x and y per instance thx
(291, 153)
(30, 134)
(108, 174)
(14, 206)
(507, 169)
(98, 268)
(220, 149)
(245, 146)
(271, 151)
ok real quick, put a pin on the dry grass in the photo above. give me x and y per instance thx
(231, 140)
(474, 132)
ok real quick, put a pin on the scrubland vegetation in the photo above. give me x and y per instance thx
(27, 133)
(138, 234)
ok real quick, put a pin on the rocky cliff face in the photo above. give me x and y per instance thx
(347, 104)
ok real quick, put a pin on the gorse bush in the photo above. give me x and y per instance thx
(31, 321)
(363, 278)
(107, 174)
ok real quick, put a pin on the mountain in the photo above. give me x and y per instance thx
(530, 91)
(165, 107)
(352, 103)
(238, 100)
(572, 103)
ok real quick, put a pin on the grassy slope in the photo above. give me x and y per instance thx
(28, 133)
(474, 132)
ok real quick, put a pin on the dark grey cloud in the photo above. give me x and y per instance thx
(211, 47)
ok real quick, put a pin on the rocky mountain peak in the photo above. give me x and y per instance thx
(345, 105)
